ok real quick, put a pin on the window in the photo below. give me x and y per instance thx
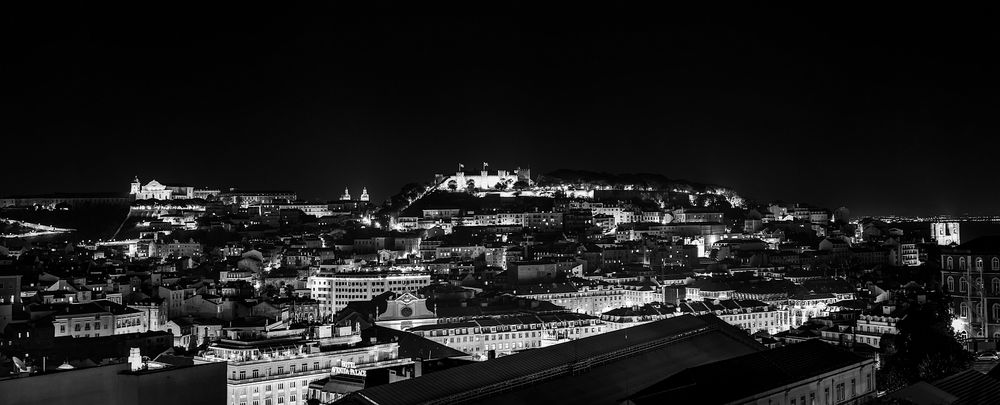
(996, 311)
(963, 310)
(963, 285)
(995, 263)
(256, 374)
(951, 283)
(961, 263)
(979, 263)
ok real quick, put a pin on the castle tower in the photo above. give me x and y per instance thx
(346, 196)
(135, 186)
(524, 175)
(364, 194)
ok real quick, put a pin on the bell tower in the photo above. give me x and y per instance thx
(135, 186)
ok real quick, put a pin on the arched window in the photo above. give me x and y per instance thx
(995, 263)
(979, 263)
(949, 263)
(964, 310)
(951, 283)
(996, 311)
(961, 263)
(995, 285)
(963, 285)
(979, 310)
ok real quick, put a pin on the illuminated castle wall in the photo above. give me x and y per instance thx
(462, 181)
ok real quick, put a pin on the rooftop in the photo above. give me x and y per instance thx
(738, 378)
(592, 368)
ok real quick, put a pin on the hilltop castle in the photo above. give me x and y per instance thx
(483, 180)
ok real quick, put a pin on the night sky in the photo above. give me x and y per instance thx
(880, 113)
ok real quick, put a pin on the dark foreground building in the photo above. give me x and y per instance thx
(117, 384)
(807, 373)
(607, 368)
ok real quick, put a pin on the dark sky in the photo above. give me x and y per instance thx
(881, 112)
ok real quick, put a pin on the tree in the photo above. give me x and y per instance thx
(453, 185)
(269, 290)
(925, 348)
(501, 186)
(470, 185)
(520, 185)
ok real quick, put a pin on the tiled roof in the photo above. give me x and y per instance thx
(740, 377)
(80, 309)
(410, 345)
(971, 387)
(507, 320)
(527, 368)
(983, 244)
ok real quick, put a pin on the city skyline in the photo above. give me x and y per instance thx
(313, 100)
(311, 204)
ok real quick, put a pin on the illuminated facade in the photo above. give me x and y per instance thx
(463, 181)
(508, 335)
(277, 370)
(946, 233)
(970, 273)
(590, 298)
(151, 191)
(334, 290)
